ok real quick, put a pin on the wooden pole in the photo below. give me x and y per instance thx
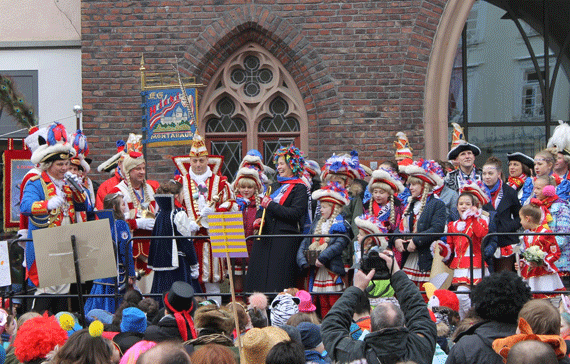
(234, 303)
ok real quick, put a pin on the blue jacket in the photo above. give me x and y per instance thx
(331, 257)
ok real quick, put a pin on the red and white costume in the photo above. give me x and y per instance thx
(544, 277)
(199, 192)
(476, 228)
(133, 200)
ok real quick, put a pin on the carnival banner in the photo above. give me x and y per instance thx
(169, 121)
(16, 164)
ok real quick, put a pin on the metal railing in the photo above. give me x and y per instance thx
(25, 288)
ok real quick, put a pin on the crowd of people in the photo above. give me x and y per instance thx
(350, 251)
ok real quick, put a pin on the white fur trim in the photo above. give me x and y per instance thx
(45, 150)
(380, 175)
(318, 194)
(250, 173)
(32, 139)
(414, 171)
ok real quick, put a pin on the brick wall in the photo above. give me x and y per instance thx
(360, 65)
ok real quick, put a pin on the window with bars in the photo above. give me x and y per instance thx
(532, 106)
(252, 103)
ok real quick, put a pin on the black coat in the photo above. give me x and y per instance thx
(475, 346)
(272, 265)
(415, 341)
(507, 218)
(167, 329)
(432, 220)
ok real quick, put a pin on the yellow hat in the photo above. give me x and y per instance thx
(198, 147)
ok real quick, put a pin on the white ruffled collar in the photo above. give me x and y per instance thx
(200, 179)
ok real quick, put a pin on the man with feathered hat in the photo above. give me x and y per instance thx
(138, 194)
(204, 193)
(462, 155)
(48, 200)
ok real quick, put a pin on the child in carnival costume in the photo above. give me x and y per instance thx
(344, 170)
(378, 290)
(424, 213)
(384, 185)
(121, 233)
(248, 189)
(328, 272)
(540, 252)
(47, 200)
(475, 223)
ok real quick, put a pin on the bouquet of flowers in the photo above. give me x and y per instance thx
(534, 254)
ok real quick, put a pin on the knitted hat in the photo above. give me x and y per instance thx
(560, 139)
(459, 144)
(198, 147)
(132, 160)
(293, 333)
(478, 190)
(333, 192)
(32, 140)
(403, 149)
(134, 320)
(310, 335)
(37, 337)
(54, 147)
(112, 162)
(390, 178)
(348, 165)
(257, 343)
(293, 157)
(522, 158)
(248, 173)
(426, 170)
(282, 308)
(369, 224)
(306, 304)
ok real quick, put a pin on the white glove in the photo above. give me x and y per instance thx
(207, 210)
(145, 223)
(195, 271)
(193, 226)
(460, 225)
(55, 202)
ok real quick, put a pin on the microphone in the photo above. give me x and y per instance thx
(69, 178)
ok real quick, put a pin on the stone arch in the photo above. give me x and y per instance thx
(438, 76)
(255, 23)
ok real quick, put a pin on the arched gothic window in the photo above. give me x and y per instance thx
(252, 102)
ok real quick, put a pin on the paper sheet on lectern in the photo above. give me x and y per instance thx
(54, 255)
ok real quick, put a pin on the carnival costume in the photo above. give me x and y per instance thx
(38, 192)
(171, 259)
